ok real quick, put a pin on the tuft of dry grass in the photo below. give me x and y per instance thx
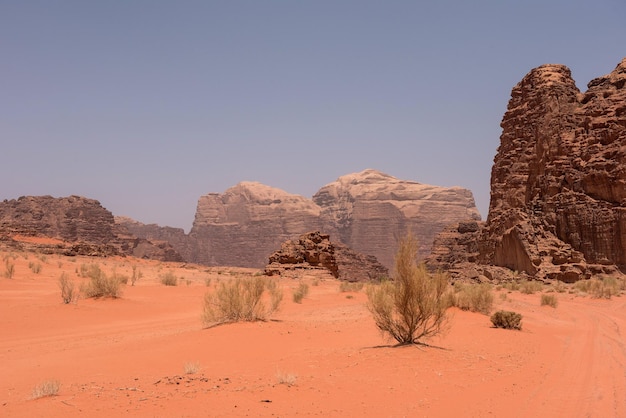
(529, 287)
(46, 388)
(605, 287)
(34, 267)
(191, 367)
(9, 268)
(169, 279)
(99, 284)
(288, 379)
(68, 293)
(345, 286)
(300, 292)
(472, 297)
(549, 300)
(241, 299)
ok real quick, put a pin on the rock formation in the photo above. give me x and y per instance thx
(371, 211)
(314, 251)
(558, 183)
(367, 211)
(81, 226)
(242, 226)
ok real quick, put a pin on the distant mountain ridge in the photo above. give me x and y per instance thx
(367, 211)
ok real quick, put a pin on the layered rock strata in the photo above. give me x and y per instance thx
(367, 211)
(81, 226)
(558, 183)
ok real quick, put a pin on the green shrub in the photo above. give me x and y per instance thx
(300, 292)
(507, 320)
(241, 299)
(549, 300)
(473, 297)
(169, 279)
(413, 306)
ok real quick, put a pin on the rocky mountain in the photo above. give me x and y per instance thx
(371, 210)
(558, 183)
(367, 211)
(81, 226)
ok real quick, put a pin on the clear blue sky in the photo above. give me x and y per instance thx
(147, 105)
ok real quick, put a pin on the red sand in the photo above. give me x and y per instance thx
(127, 356)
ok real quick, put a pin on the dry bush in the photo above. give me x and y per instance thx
(412, 306)
(507, 320)
(241, 299)
(137, 274)
(529, 287)
(549, 300)
(300, 292)
(191, 367)
(600, 288)
(34, 267)
(99, 284)
(473, 297)
(68, 293)
(9, 268)
(47, 388)
(288, 379)
(169, 279)
(345, 286)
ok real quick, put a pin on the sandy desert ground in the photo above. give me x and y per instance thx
(323, 357)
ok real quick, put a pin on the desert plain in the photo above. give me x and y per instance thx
(147, 354)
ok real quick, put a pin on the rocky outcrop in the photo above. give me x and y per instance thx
(314, 251)
(242, 226)
(367, 211)
(371, 210)
(558, 183)
(180, 242)
(81, 226)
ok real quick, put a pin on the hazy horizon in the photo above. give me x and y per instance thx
(146, 106)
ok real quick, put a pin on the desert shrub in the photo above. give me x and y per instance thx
(300, 292)
(122, 278)
(207, 281)
(345, 286)
(47, 388)
(600, 288)
(9, 268)
(315, 282)
(169, 279)
(241, 299)
(288, 379)
(34, 267)
(99, 284)
(137, 274)
(529, 287)
(549, 300)
(473, 297)
(191, 367)
(412, 307)
(507, 320)
(511, 286)
(68, 293)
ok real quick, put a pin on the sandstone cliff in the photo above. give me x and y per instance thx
(242, 226)
(558, 183)
(366, 211)
(371, 210)
(81, 226)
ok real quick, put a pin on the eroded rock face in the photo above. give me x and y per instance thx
(82, 226)
(245, 224)
(558, 183)
(370, 211)
(315, 251)
(367, 211)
